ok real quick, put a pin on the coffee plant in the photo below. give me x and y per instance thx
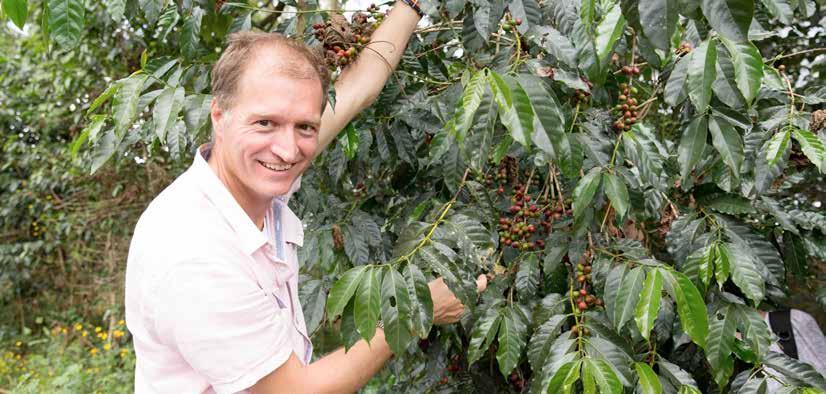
(626, 173)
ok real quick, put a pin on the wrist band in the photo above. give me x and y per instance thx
(414, 4)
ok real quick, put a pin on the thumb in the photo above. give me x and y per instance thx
(481, 283)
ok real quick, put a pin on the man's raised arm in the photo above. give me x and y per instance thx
(361, 82)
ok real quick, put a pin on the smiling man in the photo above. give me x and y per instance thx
(212, 272)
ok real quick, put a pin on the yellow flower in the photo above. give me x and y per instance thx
(17, 357)
(107, 347)
(84, 333)
(97, 329)
(120, 322)
(103, 336)
(18, 343)
(117, 333)
(93, 351)
(63, 330)
(78, 326)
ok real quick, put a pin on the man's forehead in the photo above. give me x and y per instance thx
(278, 59)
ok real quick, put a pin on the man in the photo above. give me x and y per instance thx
(211, 281)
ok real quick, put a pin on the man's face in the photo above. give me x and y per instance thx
(270, 135)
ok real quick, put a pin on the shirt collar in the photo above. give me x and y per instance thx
(290, 223)
(250, 236)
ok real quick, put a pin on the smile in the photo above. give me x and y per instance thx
(275, 167)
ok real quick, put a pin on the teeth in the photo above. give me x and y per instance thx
(276, 167)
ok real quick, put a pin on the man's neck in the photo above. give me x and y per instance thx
(255, 208)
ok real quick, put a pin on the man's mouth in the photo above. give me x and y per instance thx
(275, 167)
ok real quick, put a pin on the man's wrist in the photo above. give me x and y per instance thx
(414, 4)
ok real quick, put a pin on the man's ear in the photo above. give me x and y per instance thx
(217, 115)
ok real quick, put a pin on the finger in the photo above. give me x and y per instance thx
(481, 283)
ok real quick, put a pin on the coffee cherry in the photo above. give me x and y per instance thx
(583, 292)
(575, 330)
(518, 21)
(580, 278)
(622, 97)
(587, 269)
(582, 306)
(781, 68)
(635, 70)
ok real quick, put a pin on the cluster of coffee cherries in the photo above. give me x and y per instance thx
(583, 298)
(529, 221)
(342, 41)
(626, 108)
(517, 382)
(685, 47)
(510, 24)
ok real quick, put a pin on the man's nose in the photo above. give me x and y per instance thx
(284, 145)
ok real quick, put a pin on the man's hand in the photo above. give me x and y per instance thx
(446, 307)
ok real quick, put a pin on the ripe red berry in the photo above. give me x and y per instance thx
(518, 21)
(583, 292)
(582, 306)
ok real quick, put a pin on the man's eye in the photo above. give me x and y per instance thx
(307, 129)
(263, 122)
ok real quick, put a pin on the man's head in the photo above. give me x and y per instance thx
(268, 94)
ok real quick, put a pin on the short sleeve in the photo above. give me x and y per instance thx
(225, 326)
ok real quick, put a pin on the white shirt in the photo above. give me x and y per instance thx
(211, 300)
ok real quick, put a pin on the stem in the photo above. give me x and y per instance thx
(799, 53)
(259, 9)
(614, 153)
(435, 224)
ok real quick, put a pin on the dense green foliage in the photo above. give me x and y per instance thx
(628, 173)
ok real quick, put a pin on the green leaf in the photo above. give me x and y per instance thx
(115, 9)
(585, 190)
(167, 21)
(701, 74)
(731, 204)
(813, 147)
(692, 144)
(565, 377)
(66, 22)
(659, 21)
(515, 109)
(648, 382)
(395, 311)
(421, 305)
(720, 345)
(780, 9)
(17, 10)
(90, 132)
(676, 375)
(794, 371)
(176, 139)
(542, 339)
(513, 333)
(350, 141)
(527, 277)
(105, 96)
(555, 43)
(730, 18)
(528, 11)
(777, 146)
(191, 34)
(125, 102)
(627, 297)
(151, 9)
(675, 91)
(727, 141)
(690, 305)
(754, 328)
(745, 272)
(368, 303)
(551, 122)
(649, 303)
(748, 67)
(722, 263)
(343, 290)
(617, 192)
(604, 375)
(349, 334)
(471, 98)
(483, 333)
(104, 149)
(608, 32)
(167, 107)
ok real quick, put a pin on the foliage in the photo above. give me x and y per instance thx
(628, 240)
(75, 357)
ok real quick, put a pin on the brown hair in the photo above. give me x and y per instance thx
(239, 52)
